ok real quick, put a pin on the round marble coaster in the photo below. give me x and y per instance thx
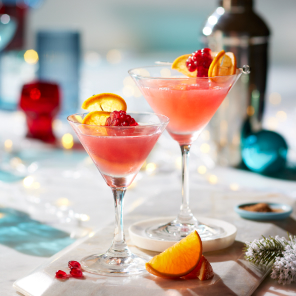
(138, 235)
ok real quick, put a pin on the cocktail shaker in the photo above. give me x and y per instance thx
(235, 27)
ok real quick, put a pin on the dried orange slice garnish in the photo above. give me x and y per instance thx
(104, 102)
(179, 64)
(223, 64)
(96, 118)
(178, 260)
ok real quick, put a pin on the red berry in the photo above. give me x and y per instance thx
(76, 272)
(74, 264)
(191, 65)
(115, 115)
(108, 121)
(120, 118)
(206, 50)
(207, 62)
(61, 275)
(200, 60)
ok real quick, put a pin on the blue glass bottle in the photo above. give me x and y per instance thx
(59, 62)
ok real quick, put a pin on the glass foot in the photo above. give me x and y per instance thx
(114, 266)
(175, 231)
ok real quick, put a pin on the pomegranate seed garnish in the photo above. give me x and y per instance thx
(120, 118)
(76, 272)
(206, 50)
(200, 61)
(74, 264)
(108, 121)
(61, 275)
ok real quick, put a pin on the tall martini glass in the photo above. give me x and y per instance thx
(190, 103)
(118, 152)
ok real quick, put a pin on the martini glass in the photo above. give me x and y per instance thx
(118, 152)
(190, 103)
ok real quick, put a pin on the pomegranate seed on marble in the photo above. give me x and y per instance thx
(74, 264)
(61, 275)
(76, 272)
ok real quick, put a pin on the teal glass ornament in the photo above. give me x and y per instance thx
(264, 152)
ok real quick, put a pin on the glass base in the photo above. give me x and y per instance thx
(175, 231)
(114, 266)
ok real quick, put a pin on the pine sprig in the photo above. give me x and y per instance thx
(265, 250)
(284, 268)
(278, 251)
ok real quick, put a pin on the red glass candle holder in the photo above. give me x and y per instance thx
(41, 102)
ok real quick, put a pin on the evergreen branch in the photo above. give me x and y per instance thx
(279, 251)
(265, 250)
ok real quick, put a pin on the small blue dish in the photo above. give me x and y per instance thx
(286, 211)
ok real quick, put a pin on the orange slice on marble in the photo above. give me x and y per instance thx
(178, 260)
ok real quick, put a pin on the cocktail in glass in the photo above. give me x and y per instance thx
(190, 103)
(118, 152)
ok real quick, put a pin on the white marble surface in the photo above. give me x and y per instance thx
(73, 185)
(206, 200)
(228, 265)
(237, 278)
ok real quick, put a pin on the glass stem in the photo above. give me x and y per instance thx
(119, 247)
(185, 215)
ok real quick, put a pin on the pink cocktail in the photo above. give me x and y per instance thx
(190, 103)
(118, 152)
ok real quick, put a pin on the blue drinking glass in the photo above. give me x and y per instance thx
(59, 62)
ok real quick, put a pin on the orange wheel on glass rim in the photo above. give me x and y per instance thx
(178, 260)
(104, 102)
(179, 64)
(96, 118)
(223, 64)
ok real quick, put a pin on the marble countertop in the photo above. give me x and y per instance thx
(76, 186)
